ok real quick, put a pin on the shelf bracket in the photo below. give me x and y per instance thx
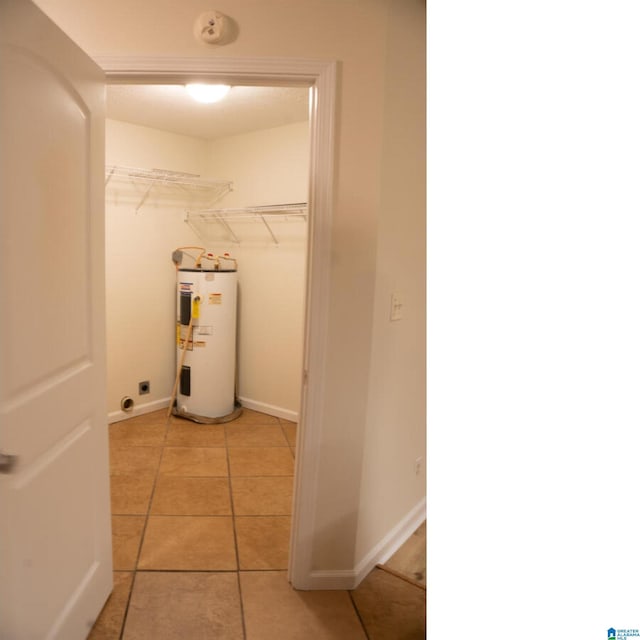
(224, 223)
(266, 224)
(106, 182)
(148, 191)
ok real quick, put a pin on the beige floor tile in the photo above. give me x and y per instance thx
(264, 461)
(166, 606)
(158, 417)
(130, 495)
(266, 496)
(194, 461)
(254, 435)
(263, 542)
(273, 609)
(411, 558)
(188, 543)
(390, 607)
(176, 495)
(290, 430)
(249, 416)
(138, 433)
(126, 537)
(109, 623)
(184, 433)
(134, 460)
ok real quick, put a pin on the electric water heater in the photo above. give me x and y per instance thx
(206, 344)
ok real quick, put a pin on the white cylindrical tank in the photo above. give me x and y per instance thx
(207, 299)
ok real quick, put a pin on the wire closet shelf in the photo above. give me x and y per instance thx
(212, 190)
(264, 214)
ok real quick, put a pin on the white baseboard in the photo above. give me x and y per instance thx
(269, 409)
(339, 580)
(379, 554)
(148, 407)
(138, 410)
(401, 532)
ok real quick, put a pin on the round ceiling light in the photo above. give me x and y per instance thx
(207, 93)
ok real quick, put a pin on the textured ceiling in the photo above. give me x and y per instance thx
(170, 108)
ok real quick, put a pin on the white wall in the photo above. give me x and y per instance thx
(268, 166)
(396, 419)
(140, 276)
(353, 32)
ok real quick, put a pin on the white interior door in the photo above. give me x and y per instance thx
(55, 537)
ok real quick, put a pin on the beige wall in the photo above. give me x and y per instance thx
(140, 276)
(368, 38)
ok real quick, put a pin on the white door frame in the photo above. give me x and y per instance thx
(321, 77)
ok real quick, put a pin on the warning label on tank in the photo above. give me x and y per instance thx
(181, 334)
(186, 286)
(200, 343)
(203, 330)
(215, 298)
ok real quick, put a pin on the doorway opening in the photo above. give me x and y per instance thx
(231, 178)
(320, 79)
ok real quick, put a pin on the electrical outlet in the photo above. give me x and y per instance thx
(144, 387)
(418, 466)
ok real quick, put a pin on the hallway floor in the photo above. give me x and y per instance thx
(200, 518)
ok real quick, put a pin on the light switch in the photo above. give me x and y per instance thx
(396, 307)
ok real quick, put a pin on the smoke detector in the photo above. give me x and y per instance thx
(210, 27)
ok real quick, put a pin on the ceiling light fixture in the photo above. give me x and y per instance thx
(207, 93)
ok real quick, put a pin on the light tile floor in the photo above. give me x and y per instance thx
(201, 516)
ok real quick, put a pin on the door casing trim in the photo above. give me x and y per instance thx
(321, 78)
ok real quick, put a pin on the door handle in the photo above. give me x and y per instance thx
(7, 462)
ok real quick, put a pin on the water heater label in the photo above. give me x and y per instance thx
(181, 337)
(204, 330)
(215, 298)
